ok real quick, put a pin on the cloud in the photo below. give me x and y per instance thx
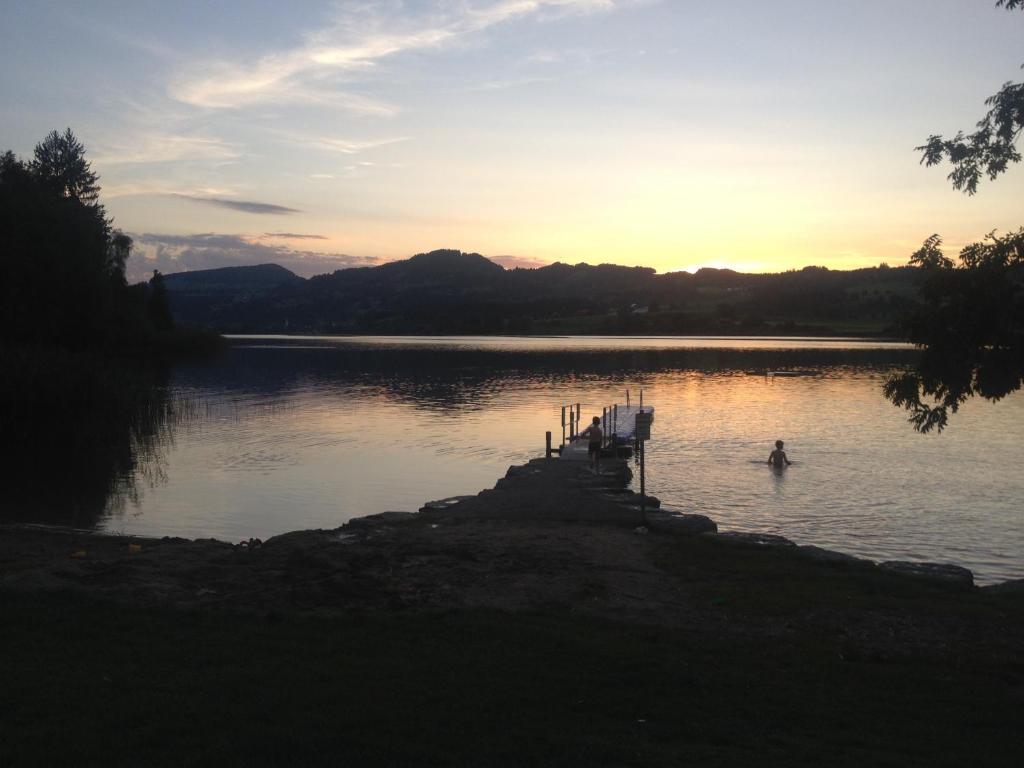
(290, 236)
(519, 262)
(567, 56)
(334, 144)
(348, 146)
(186, 253)
(354, 44)
(161, 189)
(245, 206)
(351, 102)
(500, 85)
(165, 148)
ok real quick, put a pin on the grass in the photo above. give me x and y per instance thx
(97, 418)
(98, 684)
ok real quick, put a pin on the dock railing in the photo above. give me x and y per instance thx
(572, 416)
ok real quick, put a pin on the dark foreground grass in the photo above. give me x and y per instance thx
(98, 684)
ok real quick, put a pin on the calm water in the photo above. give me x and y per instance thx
(289, 433)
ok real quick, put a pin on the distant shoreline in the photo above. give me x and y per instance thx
(888, 341)
(451, 292)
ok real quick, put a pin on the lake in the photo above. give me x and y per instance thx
(285, 433)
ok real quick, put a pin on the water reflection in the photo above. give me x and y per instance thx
(88, 444)
(280, 435)
(455, 375)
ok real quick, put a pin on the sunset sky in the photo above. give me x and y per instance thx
(760, 136)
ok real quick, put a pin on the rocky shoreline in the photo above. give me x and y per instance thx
(544, 621)
(549, 532)
(535, 477)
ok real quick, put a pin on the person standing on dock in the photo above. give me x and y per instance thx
(596, 436)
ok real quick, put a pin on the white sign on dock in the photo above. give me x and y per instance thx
(643, 425)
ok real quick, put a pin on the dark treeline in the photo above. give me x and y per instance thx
(449, 292)
(62, 263)
(83, 354)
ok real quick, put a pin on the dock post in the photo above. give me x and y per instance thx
(572, 424)
(643, 489)
(563, 425)
(547, 445)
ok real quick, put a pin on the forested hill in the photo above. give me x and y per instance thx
(207, 297)
(232, 279)
(460, 293)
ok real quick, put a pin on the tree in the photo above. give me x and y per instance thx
(62, 268)
(970, 321)
(159, 305)
(970, 326)
(119, 249)
(59, 163)
(993, 146)
(53, 260)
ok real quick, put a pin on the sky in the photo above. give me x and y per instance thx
(759, 136)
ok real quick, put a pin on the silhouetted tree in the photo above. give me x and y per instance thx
(53, 259)
(8, 161)
(59, 163)
(970, 321)
(62, 266)
(64, 307)
(993, 146)
(159, 306)
(970, 325)
(119, 250)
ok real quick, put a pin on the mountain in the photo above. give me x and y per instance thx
(451, 292)
(262, 277)
(421, 280)
(203, 296)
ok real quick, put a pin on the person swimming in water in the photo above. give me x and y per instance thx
(778, 458)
